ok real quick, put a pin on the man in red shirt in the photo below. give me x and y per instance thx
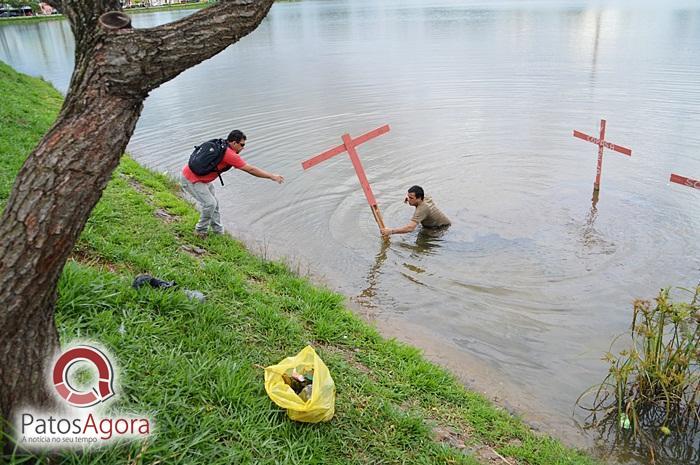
(202, 188)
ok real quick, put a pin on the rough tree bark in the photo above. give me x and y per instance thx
(64, 176)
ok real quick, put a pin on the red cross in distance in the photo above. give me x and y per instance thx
(685, 181)
(601, 143)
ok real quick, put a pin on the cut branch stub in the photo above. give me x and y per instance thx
(114, 20)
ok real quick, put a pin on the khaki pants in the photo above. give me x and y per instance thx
(203, 193)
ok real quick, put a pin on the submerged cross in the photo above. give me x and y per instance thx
(601, 142)
(349, 145)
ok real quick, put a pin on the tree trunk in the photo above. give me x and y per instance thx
(64, 177)
(55, 192)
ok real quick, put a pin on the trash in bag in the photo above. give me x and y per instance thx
(143, 279)
(303, 385)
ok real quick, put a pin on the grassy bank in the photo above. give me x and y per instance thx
(31, 19)
(194, 366)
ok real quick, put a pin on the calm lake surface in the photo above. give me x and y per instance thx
(525, 292)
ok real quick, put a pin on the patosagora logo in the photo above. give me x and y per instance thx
(83, 395)
(75, 397)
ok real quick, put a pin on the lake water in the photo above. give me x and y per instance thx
(525, 292)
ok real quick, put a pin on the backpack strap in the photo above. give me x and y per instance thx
(224, 144)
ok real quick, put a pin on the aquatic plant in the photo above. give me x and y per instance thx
(651, 394)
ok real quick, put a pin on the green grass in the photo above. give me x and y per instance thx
(30, 19)
(29, 106)
(194, 366)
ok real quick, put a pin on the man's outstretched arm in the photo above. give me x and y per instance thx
(410, 227)
(261, 173)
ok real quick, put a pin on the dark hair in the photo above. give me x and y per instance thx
(418, 191)
(236, 136)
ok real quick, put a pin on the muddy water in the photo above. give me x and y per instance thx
(525, 292)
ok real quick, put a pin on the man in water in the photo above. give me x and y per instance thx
(427, 214)
(202, 188)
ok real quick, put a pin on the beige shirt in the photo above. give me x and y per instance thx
(429, 215)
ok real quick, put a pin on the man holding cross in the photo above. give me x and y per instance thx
(427, 214)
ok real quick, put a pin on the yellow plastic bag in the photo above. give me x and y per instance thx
(321, 405)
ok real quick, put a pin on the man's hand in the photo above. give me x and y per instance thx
(278, 178)
(385, 231)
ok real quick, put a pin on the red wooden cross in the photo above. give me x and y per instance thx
(601, 142)
(685, 181)
(349, 145)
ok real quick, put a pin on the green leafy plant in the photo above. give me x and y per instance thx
(651, 395)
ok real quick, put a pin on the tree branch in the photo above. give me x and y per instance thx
(136, 61)
(83, 15)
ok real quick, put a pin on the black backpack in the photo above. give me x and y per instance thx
(206, 158)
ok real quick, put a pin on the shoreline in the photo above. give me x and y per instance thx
(462, 365)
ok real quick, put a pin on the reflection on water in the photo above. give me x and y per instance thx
(590, 236)
(427, 241)
(368, 294)
(592, 240)
(430, 238)
(534, 278)
(681, 446)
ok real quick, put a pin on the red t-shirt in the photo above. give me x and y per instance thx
(231, 158)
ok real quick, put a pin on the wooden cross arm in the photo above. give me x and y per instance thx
(606, 144)
(323, 157)
(342, 148)
(617, 148)
(585, 137)
(685, 181)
